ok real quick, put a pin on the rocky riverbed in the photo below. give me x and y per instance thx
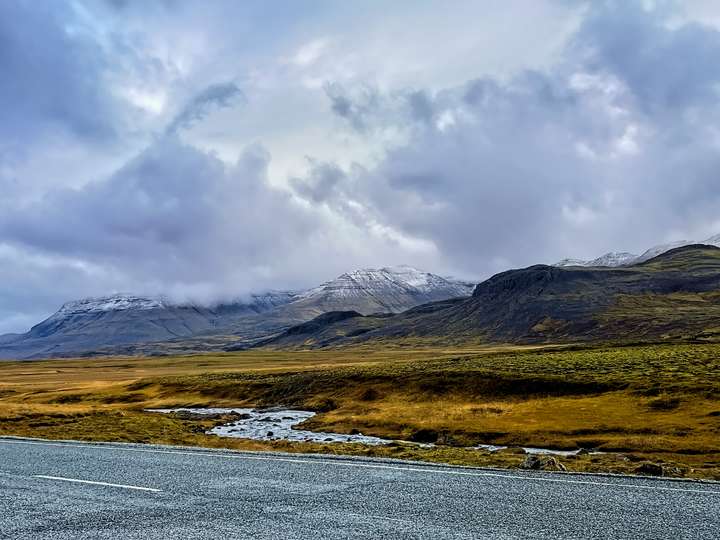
(271, 425)
(280, 424)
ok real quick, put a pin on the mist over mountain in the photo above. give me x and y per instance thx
(610, 298)
(121, 322)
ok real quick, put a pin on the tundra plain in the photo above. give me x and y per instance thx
(630, 406)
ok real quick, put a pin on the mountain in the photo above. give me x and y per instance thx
(83, 326)
(675, 295)
(129, 324)
(609, 259)
(614, 259)
(383, 290)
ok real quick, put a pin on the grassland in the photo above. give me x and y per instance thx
(658, 404)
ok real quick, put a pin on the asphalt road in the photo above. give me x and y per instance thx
(52, 490)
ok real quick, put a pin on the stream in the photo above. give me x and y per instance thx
(277, 424)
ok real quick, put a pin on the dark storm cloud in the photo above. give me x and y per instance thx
(666, 70)
(173, 211)
(616, 147)
(51, 74)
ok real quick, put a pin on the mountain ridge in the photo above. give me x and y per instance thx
(623, 258)
(120, 323)
(674, 295)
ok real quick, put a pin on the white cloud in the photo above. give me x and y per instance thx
(310, 52)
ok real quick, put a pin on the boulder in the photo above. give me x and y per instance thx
(650, 469)
(424, 435)
(538, 462)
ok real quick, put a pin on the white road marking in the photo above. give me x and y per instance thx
(78, 481)
(358, 464)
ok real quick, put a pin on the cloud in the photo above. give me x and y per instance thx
(217, 95)
(613, 148)
(179, 221)
(462, 140)
(52, 76)
(665, 69)
(175, 215)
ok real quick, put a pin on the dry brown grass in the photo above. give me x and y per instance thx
(658, 403)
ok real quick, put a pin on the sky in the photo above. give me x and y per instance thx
(207, 150)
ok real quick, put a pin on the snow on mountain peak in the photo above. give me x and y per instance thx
(614, 258)
(115, 302)
(659, 250)
(713, 240)
(409, 275)
(609, 259)
(623, 258)
(379, 281)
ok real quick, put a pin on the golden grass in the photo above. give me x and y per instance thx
(659, 403)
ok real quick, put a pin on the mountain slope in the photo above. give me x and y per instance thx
(675, 295)
(83, 326)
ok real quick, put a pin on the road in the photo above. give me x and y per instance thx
(52, 490)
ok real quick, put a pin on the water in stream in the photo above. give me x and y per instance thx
(277, 424)
(273, 425)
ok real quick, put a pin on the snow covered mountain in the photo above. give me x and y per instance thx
(609, 259)
(116, 302)
(386, 290)
(113, 322)
(614, 259)
(84, 326)
(124, 306)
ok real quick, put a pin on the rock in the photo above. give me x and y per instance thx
(677, 472)
(651, 469)
(270, 434)
(537, 462)
(447, 439)
(424, 436)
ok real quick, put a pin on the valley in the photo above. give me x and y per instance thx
(645, 408)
